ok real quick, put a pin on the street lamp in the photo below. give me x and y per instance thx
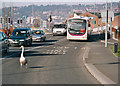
(106, 24)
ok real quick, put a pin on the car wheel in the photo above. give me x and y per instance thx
(30, 43)
(27, 43)
(44, 39)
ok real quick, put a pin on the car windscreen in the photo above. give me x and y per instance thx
(20, 33)
(59, 26)
(1, 37)
(37, 32)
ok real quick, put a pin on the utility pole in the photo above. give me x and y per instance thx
(106, 24)
(94, 16)
(8, 17)
(4, 15)
(32, 16)
(12, 14)
(111, 22)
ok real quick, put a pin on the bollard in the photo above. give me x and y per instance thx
(115, 47)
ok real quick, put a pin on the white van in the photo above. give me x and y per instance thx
(59, 29)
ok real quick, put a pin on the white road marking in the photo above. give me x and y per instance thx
(64, 53)
(83, 48)
(57, 50)
(32, 49)
(2, 58)
(75, 48)
(85, 55)
(18, 52)
(66, 47)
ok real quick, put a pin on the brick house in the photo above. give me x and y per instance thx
(116, 27)
(95, 22)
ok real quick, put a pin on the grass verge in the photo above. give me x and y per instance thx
(118, 53)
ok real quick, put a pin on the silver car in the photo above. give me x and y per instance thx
(38, 35)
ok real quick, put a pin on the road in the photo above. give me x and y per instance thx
(56, 61)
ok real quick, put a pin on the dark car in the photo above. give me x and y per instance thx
(38, 35)
(21, 36)
(4, 44)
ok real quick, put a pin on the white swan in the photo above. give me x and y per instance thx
(23, 60)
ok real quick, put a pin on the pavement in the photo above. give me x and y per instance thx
(110, 41)
(101, 62)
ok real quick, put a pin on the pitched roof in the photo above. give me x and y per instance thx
(87, 14)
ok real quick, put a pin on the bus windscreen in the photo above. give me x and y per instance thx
(77, 26)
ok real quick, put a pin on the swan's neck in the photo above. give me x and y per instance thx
(22, 52)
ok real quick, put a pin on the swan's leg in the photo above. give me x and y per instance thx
(26, 66)
(21, 65)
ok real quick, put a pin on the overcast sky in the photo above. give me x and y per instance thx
(58, 0)
(45, 2)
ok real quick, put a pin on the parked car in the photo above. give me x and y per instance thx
(59, 29)
(4, 44)
(38, 35)
(21, 36)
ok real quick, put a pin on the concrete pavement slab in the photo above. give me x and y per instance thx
(103, 59)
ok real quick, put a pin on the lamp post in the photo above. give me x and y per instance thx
(106, 25)
(111, 22)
